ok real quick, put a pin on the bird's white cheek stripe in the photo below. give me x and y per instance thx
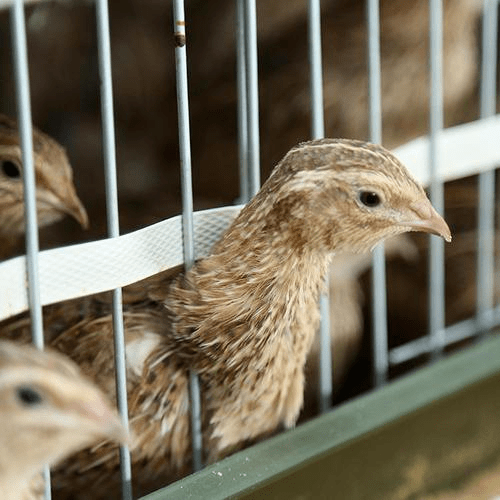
(79, 270)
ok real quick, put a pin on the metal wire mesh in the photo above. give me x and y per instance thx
(439, 336)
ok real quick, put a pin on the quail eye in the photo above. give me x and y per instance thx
(28, 396)
(369, 198)
(10, 169)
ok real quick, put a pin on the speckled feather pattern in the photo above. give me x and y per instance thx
(244, 318)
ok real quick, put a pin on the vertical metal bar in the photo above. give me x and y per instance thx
(489, 58)
(317, 132)
(436, 257)
(26, 134)
(374, 77)
(315, 61)
(325, 352)
(380, 345)
(21, 75)
(241, 77)
(486, 204)
(187, 203)
(108, 131)
(252, 86)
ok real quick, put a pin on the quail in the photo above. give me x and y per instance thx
(48, 410)
(55, 192)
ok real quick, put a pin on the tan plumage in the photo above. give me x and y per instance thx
(48, 410)
(244, 317)
(55, 192)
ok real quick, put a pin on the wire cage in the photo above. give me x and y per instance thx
(445, 154)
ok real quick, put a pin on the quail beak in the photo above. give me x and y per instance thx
(104, 419)
(74, 207)
(428, 220)
(67, 202)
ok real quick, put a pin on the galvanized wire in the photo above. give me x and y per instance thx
(108, 132)
(317, 132)
(486, 203)
(488, 81)
(252, 96)
(241, 83)
(315, 62)
(187, 204)
(374, 72)
(26, 135)
(454, 333)
(436, 246)
(380, 346)
(21, 75)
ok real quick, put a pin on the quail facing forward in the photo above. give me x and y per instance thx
(47, 411)
(243, 318)
(55, 192)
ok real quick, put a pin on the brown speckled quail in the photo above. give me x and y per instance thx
(55, 192)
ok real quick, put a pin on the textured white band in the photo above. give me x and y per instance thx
(463, 150)
(79, 270)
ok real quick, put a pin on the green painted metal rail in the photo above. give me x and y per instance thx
(259, 470)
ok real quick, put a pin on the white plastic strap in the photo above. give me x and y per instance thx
(463, 150)
(88, 268)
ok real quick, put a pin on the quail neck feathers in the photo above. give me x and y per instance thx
(55, 192)
(244, 317)
(47, 411)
